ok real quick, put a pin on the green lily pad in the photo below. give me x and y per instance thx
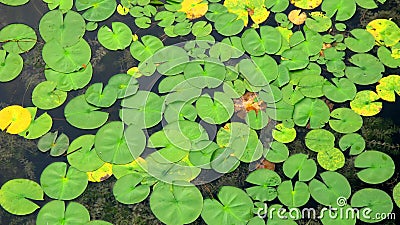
(215, 112)
(247, 149)
(368, 69)
(373, 201)
(180, 111)
(365, 103)
(312, 111)
(67, 30)
(128, 189)
(125, 84)
(144, 109)
(295, 59)
(96, 10)
(252, 73)
(344, 9)
(203, 157)
(335, 186)
(63, 183)
(331, 159)
(66, 59)
(70, 81)
(318, 22)
(146, 48)
(293, 196)
(268, 41)
(277, 152)
(354, 141)
(16, 196)
(46, 96)
(256, 120)
(345, 120)
(82, 115)
(118, 146)
(56, 213)
(201, 29)
(277, 5)
(396, 194)
(388, 87)
(306, 4)
(17, 38)
(224, 161)
(10, 66)
(319, 140)
(283, 134)
(340, 90)
(299, 163)
(234, 207)
(280, 111)
(265, 181)
(311, 86)
(98, 222)
(137, 166)
(363, 41)
(184, 203)
(99, 97)
(228, 24)
(57, 145)
(82, 155)
(377, 167)
(385, 56)
(210, 74)
(39, 126)
(63, 5)
(117, 38)
(14, 2)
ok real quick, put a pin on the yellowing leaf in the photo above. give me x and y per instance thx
(122, 10)
(194, 8)
(388, 86)
(245, 8)
(396, 51)
(297, 17)
(365, 103)
(101, 174)
(385, 32)
(15, 119)
(306, 4)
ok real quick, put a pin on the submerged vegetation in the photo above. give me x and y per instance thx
(237, 110)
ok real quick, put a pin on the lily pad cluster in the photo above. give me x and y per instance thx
(209, 108)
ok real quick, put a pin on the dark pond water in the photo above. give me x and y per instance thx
(28, 162)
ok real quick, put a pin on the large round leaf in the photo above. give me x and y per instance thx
(388, 87)
(372, 202)
(269, 41)
(117, 38)
(377, 167)
(331, 159)
(82, 115)
(15, 119)
(128, 189)
(283, 134)
(14, 2)
(16, 196)
(215, 112)
(39, 126)
(311, 111)
(333, 187)
(60, 182)
(344, 9)
(300, 163)
(362, 41)
(56, 145)
(319, 140)
(228, 24)
(17, 38)
(265, 181)
(345, 120)
(125, 84)
(70, 81)
(96, 10)
(146, 48)
(365, 103)
(66, 59)
(10, 66)
(354, 141)
(56, 213)
(293, 196)
(340, 90)
(208, 74)
(173, 204)
(385, 31)
(277, 152)
(46, 96)
(368, 69)
(82, 155)
(234, 207)
(97, 96)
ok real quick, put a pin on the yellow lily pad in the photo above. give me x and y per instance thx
(101, 174)
(388, 86)
(15, 119)
(122, 10)
(365, 103)
(385, 32)
(243, 9)
(306, 4)
(297, 17)
(194, 8)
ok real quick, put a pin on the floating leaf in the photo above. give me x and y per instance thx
(345, 120)
(385, 32)
(46, 96)
(311, 86)
(101, 174)
(63, 183)
(319, 139)
(368, 71)
(362, 41)
(340, 90)
(386, 57)
(312, 111)
(295, 59)
(97, 96)
(344, 9)
(299, 163)
(194, 8)
(16, 196)
(15, 119)
(122, 10)
(283, 134)
(82, 115)
(201, 29)
(269, 41)
(334, 187)
(306, 4)
(56, 145)
(293, 196)
(39, 126)
(365, 103)
(318, 22)
(377, 167)
(98, 222)
(184, 203)
(236, 200)
(256, 120)
(354, 141)
(265, 181)
(125, 85)
(81, 154)
(10, 66)
(331, 159)
(387, 87)
(255, 8)
(17, 38)
(67, 30)
(14, 2)
(207, 74)
(56, 213)
(117, 38)
(396, 194)
(277, 5)
(96, 10)
(70, 81)
(297, 17)
(227, 24)
(145, 49)
(128, 189)
(372, 201)
(277, 152)
(216, 111)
